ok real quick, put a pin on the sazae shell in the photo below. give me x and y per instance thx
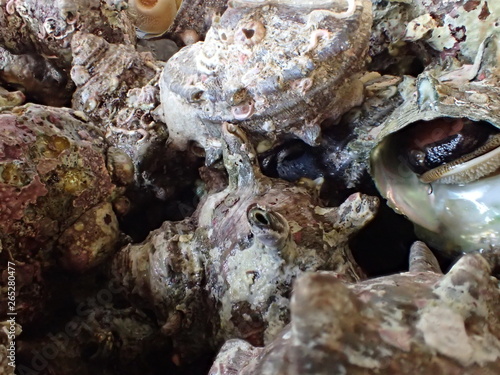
(454, 205)
(276, 68)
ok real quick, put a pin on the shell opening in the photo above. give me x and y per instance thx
(243, 111)
(251, 33)
(261, 218)
(268, 227)
(449, 150)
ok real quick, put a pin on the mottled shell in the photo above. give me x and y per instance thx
(228, 269)
(418, 322)
(452, 218)
(275, 69)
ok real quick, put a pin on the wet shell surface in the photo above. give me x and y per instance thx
(239, 252)
(453, 204)
(277, 69)
(417, 322)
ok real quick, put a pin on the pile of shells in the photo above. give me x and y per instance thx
(185, 178)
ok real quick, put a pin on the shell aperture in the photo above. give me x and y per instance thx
(451, 151)
(452, 214)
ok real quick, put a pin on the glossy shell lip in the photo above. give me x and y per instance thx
(450, 217)
(468, 168)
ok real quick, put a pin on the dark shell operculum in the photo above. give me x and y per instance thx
(433, 148)
(291, 161)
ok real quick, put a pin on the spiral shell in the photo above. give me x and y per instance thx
(275, 68)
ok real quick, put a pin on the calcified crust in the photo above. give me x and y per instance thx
(49, 26)
(153, 16)
(316, 4)
(418, 322)
(274, 69)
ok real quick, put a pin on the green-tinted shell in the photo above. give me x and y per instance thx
(450, 217)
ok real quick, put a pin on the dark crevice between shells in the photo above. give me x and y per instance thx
(380, 248)
(168, 191)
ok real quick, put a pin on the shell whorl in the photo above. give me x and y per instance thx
(153, 16)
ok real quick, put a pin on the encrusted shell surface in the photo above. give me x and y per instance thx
(193, 20)
(275, 69)
(46, 27)
(455, 27)
(452, 218)
(238, 254)
(54, 191)
(419, 322)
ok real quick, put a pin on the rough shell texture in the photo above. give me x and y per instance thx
(274, 84)
(230, 266)
(454, 27)
(426, 98)
(90, 239)
(10, 98)
(346, 152)
(419, 322)
(52, 174)
(193, 20)
(46, 27)
(117, 87)
(342, 156)
(99, 339)
(39, 79)
(103, 71)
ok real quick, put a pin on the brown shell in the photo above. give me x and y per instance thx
(419, 322)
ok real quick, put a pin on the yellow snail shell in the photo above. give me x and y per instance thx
(153, 16)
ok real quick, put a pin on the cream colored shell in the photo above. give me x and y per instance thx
(153, 16)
